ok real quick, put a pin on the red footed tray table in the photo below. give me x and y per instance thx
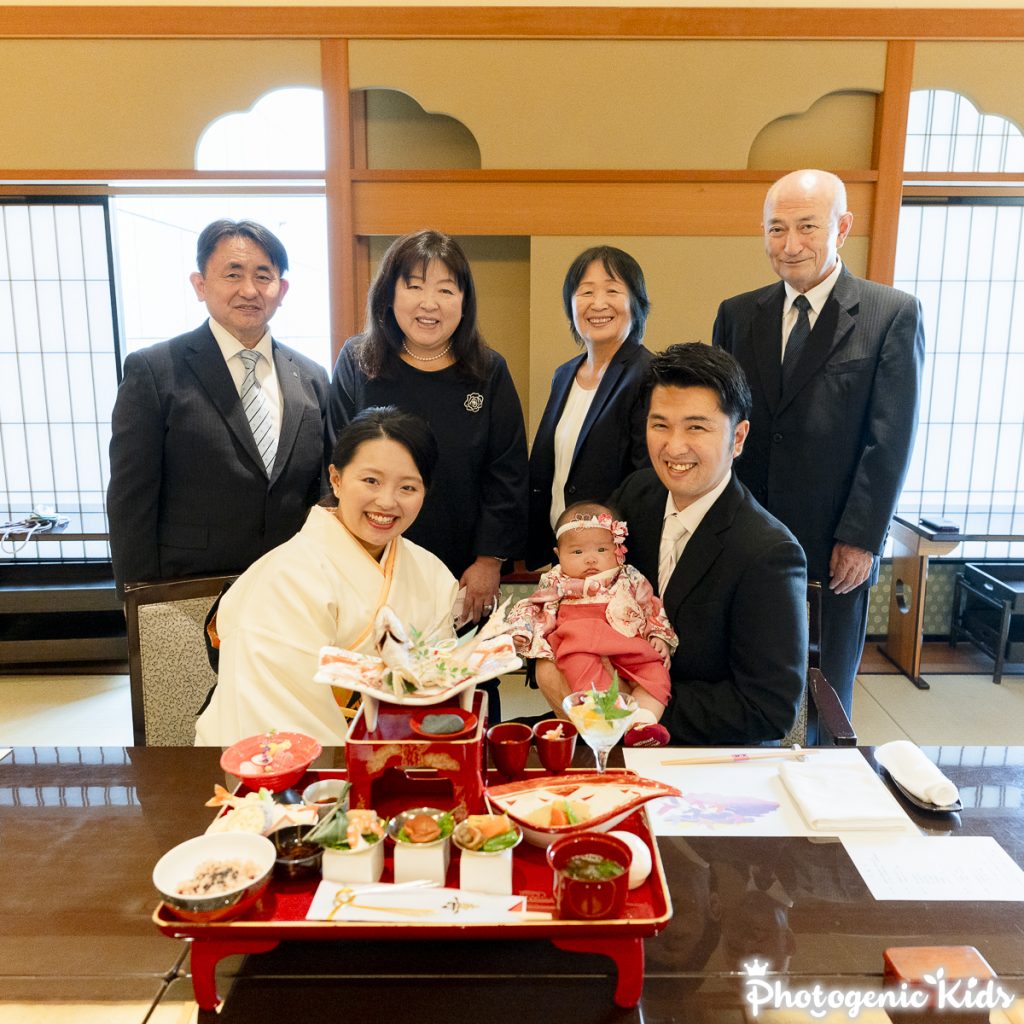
(392, 747)
(280, 914)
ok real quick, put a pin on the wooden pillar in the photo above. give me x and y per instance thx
(340, 234)
(890, 143)
(360, 161)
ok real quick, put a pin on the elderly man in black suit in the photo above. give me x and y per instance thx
(217, 435)
(731, 576)
(834, 364)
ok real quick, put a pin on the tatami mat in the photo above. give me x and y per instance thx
(81, 1013)
(61, 710)
(964, 709)
(872, 722)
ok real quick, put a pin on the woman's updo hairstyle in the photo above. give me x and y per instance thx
(388, 422)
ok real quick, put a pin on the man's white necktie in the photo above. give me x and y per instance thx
(672, 534)
(257, 410)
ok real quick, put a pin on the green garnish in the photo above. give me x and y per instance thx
(332, 829)
(502, 841)
(604, 701)
(446, 823)
(592, 867)
(569, 816)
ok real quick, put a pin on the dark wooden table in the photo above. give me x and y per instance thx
(81, 828)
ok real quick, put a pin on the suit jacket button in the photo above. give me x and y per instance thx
(571, 489)
(776, 437)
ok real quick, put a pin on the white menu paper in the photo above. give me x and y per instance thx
(949, 868)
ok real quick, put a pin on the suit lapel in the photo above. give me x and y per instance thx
(644, 540)
(832, 329)
(560, 386)
(703, 548)
(767, 343)
(290, 383)
(207, 363)
(608, 386)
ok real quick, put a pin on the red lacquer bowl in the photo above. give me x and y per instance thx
(583, 900)
(290, 754)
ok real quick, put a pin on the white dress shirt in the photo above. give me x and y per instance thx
(266, 372)
(678, 526)
(567, 433)
(816, 296)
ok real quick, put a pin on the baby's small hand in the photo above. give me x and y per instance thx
(662, 648)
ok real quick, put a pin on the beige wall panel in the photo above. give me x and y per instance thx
(133, 104)
(837, 132)
(573, 208)
(686, 280)
(401, 134)
(501, 272)
(988, 74)
(655, 104)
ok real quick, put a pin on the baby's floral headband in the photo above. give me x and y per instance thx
(604, 521)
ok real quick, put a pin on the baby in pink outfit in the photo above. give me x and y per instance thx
(592, 613)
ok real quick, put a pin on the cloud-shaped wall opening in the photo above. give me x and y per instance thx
(810, 138)
(282, 131)
(947, 132)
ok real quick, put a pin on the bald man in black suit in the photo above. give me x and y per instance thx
(834, 412)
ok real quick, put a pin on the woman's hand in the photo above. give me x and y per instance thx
(481, 581)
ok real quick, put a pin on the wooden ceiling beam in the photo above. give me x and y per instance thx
(65, 21)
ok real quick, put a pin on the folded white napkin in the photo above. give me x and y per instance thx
(841, 797)
(909, 766)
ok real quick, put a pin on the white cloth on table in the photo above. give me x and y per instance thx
(910, 767)
(841, 797)
(321, 587)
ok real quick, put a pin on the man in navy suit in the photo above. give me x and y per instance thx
(834, 411)
(192, 491)
(731, 576)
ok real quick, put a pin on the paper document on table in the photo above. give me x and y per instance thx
(340, 902)
(960, 868)
(746, 797)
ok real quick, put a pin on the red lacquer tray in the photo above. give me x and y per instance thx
(280, 913)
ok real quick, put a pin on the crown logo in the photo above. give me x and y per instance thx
(756, 968)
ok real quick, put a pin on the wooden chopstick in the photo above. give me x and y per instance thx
(794, 754)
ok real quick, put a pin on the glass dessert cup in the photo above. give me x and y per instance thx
(600, 731)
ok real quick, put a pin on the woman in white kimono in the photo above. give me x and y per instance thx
(326, 585)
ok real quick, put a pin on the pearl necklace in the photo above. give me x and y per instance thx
(426, 359)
